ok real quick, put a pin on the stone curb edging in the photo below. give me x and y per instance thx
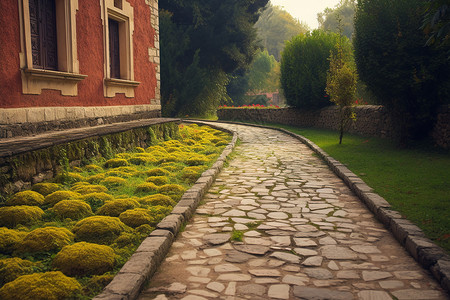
(410, 236)
(130, 280)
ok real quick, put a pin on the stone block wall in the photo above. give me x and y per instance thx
(371, 120)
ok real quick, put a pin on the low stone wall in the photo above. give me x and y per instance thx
(441, 132)
(30, 160)
(371, 120)
(32, 121)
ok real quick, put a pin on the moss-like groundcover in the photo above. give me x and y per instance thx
(79, 230)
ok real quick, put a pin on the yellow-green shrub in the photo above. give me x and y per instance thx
(158, 213)
(146, 187)
(197, 159)
(72, 209)
(139, 150)
(30, 198)
(95, 200)
(57, 196)
(45, 239)
(11, 216)
(157, 148)
(11, 268)
(127, 169)
(158, 180)
(10, 239)
(157, 172)
(96, 178)
(113, 181)
(97, 283)
(40, 286)
(136, 217)
(116, 162)
(171, 189)
(120, 174)
(99, 229)
(69, 177)
(116, 207)
(145, 229)
(87, 188)
(191, 174)
(93, 168)
(45, 188)
(157, 199)
(82, 259)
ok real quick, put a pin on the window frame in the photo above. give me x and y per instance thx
(125, 17)
(66, 78)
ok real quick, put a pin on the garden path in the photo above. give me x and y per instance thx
(305, 235)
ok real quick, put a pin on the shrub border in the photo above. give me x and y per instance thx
(429, 255)
(138, 270)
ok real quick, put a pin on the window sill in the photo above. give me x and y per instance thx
(115, 86)
(35, 80)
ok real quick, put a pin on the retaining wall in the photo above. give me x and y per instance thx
(371, 120)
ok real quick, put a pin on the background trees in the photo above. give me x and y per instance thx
(304, 66)
(202, 42)
(275, 26)
(409, 79)
(345, 11)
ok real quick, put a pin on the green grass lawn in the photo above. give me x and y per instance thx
(415, 181)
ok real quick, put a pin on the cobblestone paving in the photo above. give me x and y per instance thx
(304, 235)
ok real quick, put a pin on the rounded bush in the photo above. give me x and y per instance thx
(97, 283)
(57, 196)
(158, 213)
(157, 199)
(304, 66)
(171, 189)
(113, 181)
(95, 200)
(191, 174)
(157, 172)
(30, 198)
(158, 180)
(72, 209)
(10, 240)
(96, 178)
(145, 229)
(146, 187)
(82, 259)
(99, 229)
(136, 217)
(87, 188)
(11, 216)
(116, 207)
(116, 162)
(11, 268)
(41, 286)
(69, 177)
(142, 159)
(45, 188)
(196, 160)
(45, 239)
(93, 168)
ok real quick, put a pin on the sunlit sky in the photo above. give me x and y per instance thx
(305, 10)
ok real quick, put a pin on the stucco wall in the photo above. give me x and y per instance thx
(371, 120)
(90, 47)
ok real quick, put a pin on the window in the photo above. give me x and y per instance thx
(117, 16)
(43, 34)
(48, 58)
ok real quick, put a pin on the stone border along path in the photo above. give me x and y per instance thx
(305, 235)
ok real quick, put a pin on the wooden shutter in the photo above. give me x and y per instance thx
(43, 34)
(114, 54)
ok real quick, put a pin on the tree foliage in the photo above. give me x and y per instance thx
(275, 26)
(341, 86)
(202, 42)
(437, 23)
(409, 79)
(304, 66)
(345, 11)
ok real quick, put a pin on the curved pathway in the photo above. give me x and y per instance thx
(304, 235)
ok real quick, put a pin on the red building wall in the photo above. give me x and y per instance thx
(90, 56)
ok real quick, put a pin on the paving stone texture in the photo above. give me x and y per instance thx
(305, 235)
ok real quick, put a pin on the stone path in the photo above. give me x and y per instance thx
(278, 224)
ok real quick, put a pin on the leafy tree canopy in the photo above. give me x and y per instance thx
(201, 43)
(275, 26)
(345, 11)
